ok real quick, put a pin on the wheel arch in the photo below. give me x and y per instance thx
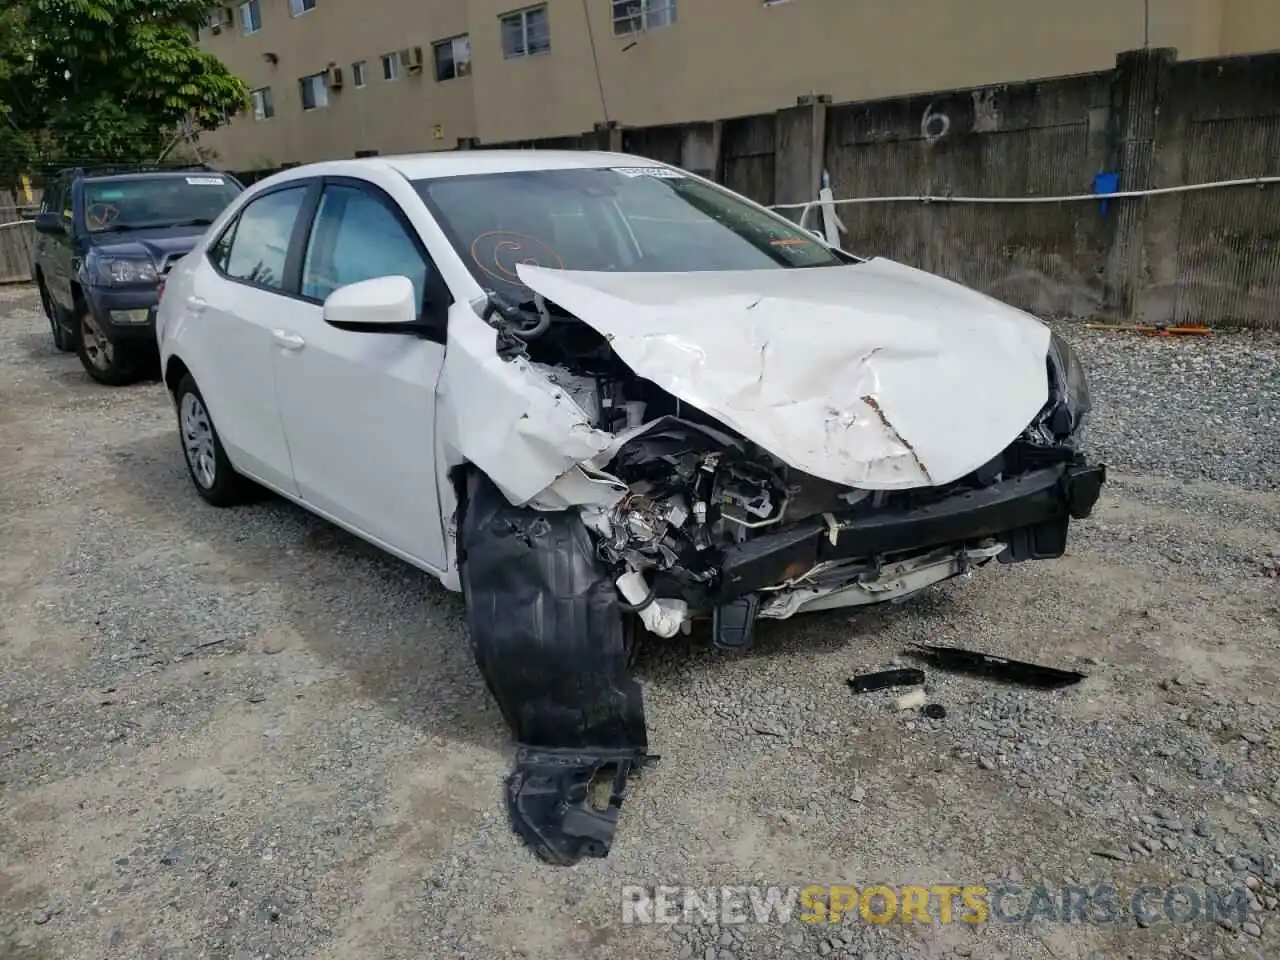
(174, 370)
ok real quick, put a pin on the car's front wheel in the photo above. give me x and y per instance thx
(108, 363)
(207, 464)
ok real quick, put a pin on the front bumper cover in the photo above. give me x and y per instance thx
(1030, 512)
(105, 302)
(548, 637)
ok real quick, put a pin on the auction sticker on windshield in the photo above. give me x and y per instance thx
(206, 181)
(665, 173)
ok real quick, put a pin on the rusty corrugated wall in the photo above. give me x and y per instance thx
(747, 155)
(1214, 257)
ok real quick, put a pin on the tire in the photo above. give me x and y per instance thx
(110, 364)
(62, 338)
(211, 472)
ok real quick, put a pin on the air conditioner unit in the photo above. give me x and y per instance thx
(411, 59)
(335, 78)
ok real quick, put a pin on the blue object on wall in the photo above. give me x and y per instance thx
(1106, 183)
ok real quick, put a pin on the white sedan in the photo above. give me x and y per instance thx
(592, 391)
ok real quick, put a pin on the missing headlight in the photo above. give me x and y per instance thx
(1069, 400)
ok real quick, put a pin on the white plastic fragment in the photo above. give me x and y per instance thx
(911, 701)
(662, 617)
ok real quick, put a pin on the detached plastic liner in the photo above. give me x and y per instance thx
(548, 637)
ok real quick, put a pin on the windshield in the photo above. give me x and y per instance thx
(164, 201)
(627, 220)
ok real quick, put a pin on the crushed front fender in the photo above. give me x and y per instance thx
(548, 637)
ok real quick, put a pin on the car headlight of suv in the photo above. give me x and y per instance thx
(118, 271)
(1069, 398)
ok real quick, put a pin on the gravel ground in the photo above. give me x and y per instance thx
(246, 735)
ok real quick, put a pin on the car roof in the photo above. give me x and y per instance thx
(458, 163)
(148, 175)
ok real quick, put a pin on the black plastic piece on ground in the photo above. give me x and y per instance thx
(548, 637)
(551, 807)
(995, 668)
(934, 711)
(733, 624)
(884, 679)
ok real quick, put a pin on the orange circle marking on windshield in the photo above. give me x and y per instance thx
(520, 247)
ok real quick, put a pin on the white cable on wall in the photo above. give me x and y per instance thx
(1068, 198)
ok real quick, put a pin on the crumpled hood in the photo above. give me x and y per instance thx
(873, 375)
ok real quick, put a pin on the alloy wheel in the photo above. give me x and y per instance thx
(97, 347)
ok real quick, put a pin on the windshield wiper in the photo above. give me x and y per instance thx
(193, 222)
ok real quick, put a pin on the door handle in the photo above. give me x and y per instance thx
(197, 304)
(290, 341)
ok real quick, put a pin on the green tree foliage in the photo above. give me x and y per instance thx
(105, 80)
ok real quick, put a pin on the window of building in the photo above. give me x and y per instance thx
(264, 107)
(357, 74)
(526, 33)
(453, 58)
(315, 91)
(250, 16)
(634, 16)
(298, 7)
(391, 66)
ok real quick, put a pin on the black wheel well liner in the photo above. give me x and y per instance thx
(174, 371)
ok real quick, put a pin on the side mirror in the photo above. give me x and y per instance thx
(380, 305)
(50, 223)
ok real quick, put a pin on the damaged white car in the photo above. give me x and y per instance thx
(603, 397)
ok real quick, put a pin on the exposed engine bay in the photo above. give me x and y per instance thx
(693, 493)
(701, 522)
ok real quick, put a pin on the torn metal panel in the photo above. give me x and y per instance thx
(547, 633)
(871, 375)
(509, 420)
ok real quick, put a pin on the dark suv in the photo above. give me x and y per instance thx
(106, 240)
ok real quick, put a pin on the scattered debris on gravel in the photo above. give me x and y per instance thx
(244, 734)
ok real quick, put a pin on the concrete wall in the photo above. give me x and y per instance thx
(1202, 257)
(721, 58)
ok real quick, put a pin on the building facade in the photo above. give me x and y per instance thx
(332, 78)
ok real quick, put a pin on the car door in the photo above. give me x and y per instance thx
(359, 408)
(239, 295)
(53, 252)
